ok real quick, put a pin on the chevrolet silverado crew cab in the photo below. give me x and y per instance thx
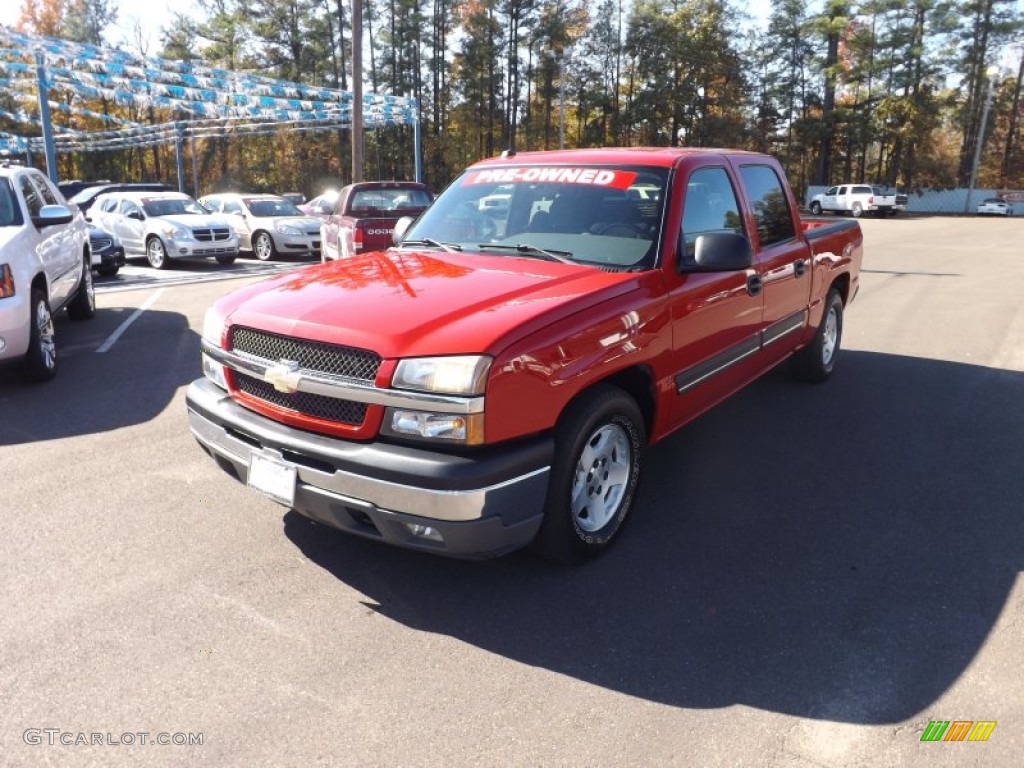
(45, 266)
(365, 214)
(494, 381)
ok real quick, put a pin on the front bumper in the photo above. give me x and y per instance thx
(306, 243)
(479, 505)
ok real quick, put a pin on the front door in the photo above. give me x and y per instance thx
(716, 316)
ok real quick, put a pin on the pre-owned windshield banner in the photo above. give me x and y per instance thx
(597, 177)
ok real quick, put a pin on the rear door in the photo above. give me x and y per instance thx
(782, 255)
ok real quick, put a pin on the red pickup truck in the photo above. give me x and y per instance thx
(365, 216)
(494, 379)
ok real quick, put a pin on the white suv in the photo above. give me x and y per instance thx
(44, 267)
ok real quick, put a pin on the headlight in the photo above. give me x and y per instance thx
(213, 333)
(464, 375)
(287, 229)
(172, 232)
(213, 327)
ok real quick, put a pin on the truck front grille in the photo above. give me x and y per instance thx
(317, 406)
(313, 356)
(332, 359)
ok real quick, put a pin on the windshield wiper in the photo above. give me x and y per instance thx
(429, 241)
(531, 250)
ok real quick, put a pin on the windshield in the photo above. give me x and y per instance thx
(170, 206)
(606, 216)
(272, 207)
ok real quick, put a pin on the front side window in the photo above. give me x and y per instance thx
(32, 199)
(709, 206)
(46, 193)
(769, 203)
(10, 211)
(606, 216)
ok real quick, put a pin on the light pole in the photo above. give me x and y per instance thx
(993, 73)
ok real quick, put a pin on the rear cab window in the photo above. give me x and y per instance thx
(768, 203)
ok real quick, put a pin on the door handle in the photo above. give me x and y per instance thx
(799, 267)
(754, 284)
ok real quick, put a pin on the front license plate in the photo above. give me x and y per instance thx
(272, 477)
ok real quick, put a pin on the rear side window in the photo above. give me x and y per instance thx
(769, 204)
(863, 191)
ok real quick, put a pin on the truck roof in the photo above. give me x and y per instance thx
(656, 156)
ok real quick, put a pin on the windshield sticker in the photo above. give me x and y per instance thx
(597, 177)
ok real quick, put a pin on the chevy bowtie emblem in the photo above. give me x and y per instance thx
(284, 376)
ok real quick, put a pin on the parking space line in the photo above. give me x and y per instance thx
(112, 339)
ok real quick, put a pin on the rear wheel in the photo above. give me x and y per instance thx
(83, 306)
(263, 246)
(109, 271)
(856, 210)
(598, 446)
(816, 361)
(41, 357)
(156, 254)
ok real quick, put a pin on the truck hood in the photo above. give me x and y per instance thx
(408, 303)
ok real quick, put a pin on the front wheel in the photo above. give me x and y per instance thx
(263, 246)
(815, 361)
(156, 254)
(816, 208)
(598, 448)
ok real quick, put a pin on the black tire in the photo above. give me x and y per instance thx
(83, 305)
(816, 208)
(156, 254)
(41, 357)
(856, 210)
(226, 258)
(263, 246)
(599, 437)
(108, 271)
(816, 361)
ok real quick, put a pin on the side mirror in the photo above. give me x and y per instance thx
(49, 215)
(401, 227)
(717, 252)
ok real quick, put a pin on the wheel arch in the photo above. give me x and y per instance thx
(637, 381)
(841, 283)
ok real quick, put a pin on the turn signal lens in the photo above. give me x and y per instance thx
(6, 281)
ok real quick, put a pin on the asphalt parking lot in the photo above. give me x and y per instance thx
(811, 575)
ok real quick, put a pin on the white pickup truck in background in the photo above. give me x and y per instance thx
(857, 199)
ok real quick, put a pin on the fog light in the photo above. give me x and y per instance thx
(424, 532)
